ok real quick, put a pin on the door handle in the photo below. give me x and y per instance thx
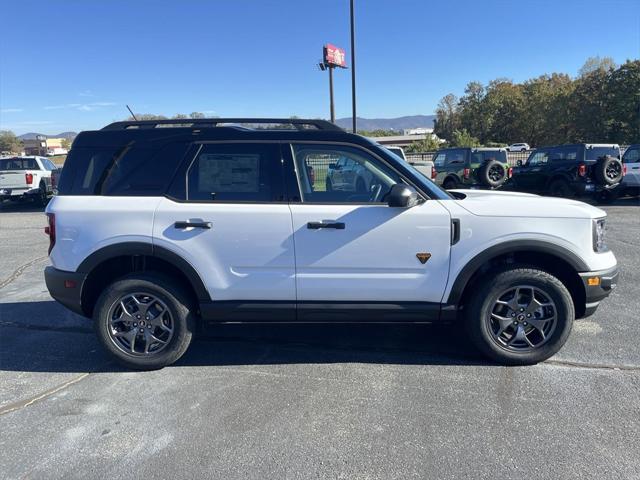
(317, 225)
(184, 225)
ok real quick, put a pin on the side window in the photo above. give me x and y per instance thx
(239, 172)
(368, 180)
(47, 164)
(632, 155)
(538, 158)
(455, 157)
(439, 160)
(556, 154)
(570, 153)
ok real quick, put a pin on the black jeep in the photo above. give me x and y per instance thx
(471, 167)
(569, 170)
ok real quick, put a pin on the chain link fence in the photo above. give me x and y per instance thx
(512, 157)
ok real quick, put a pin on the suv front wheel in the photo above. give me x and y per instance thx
(144, 321)
(520, 316)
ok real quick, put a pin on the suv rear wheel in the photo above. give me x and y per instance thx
(492, 173)
(144, 321)
(520, 316)
(560, 188)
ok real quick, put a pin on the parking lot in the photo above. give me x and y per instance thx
(313, 401)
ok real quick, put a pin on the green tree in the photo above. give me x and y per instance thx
(65, 143)
(462, 138)
(447, 117)
(9, 142)
(623, 102)
(196, 115)
(429, 144)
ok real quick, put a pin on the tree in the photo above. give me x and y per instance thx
(196, 115)
(596, 64)
(180, 116)
(462, 138)
(9, 142)
(429, 144)
(65, 143)
(447, 117)
(147, 116)
(623, 103)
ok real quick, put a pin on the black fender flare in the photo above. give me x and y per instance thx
(513, 246)
(149, 250)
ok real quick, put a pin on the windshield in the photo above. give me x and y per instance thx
(433, 190)
(595, 153)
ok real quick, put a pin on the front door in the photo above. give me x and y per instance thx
(227, 216)
(353, 250)
(532, 175)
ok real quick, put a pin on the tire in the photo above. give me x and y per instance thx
(449, 184)
(41, 199)
(560, 188)
(115, 336)
(492, 174)
(608, 171)
(523, 149)
(484, 328)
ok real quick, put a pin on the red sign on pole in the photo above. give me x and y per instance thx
(334, 56)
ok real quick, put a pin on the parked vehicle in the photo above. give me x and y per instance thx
(569, 170)
(26, 178)
(156, 232)
(423, 166)
(518, 147)
(630, 184)
(471, 167)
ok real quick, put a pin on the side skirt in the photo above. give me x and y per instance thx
(321, 312)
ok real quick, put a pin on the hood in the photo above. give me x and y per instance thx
(488, 203)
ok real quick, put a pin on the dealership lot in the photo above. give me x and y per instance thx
(313, 401)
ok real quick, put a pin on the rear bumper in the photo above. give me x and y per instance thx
(66, 288)
(594, 293)
(7, 193)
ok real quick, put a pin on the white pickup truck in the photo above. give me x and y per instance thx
(26, 178)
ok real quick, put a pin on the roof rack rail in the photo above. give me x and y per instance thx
(300, 124)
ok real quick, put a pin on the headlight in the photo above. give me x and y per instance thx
(599, 231)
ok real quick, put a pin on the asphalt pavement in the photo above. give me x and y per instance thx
(314, 401)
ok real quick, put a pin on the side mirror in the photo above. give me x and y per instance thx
(519, 163)
(402, 196)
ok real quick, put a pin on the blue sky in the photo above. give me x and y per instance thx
(73, 65)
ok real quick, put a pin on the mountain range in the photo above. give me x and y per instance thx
(399, 123)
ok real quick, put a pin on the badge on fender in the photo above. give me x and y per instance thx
(423, 257)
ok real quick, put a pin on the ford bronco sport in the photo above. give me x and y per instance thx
(471, 167)
(570, 170)
(156, 232)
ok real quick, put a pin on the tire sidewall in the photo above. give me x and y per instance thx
(485, 174)
(551, 286)
(173, 298)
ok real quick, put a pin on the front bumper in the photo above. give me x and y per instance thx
(66, 288)
(597, 286)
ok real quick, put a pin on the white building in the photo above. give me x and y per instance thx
(417, 131)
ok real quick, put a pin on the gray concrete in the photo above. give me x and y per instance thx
(313, 401)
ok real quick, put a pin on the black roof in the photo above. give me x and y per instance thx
(162, 131)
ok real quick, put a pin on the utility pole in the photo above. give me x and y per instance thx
(353, 70)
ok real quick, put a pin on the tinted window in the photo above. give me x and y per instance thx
(595, 153)
(632, 155)
(365, 179)
(455, 157)
(18, 164)
(438, 161)
(483, 156)
(48, 164)
(563, 153)
(123, 171)
(236, 172)
(538, 158)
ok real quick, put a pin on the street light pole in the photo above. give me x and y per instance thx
(353, 70)
(331, 107)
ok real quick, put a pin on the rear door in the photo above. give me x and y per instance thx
(631, 160)
(227, 216)
(352, 248)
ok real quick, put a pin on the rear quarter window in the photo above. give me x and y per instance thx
(120, 171)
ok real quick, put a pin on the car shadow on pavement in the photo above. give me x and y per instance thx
(55, 343)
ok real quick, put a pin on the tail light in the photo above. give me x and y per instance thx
(624, 170)
(434, 173)
(50, 230)
(28, 178)
(510, 172)
(582, 170)
(467, 172)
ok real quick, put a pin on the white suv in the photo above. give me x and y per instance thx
(157, 230)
